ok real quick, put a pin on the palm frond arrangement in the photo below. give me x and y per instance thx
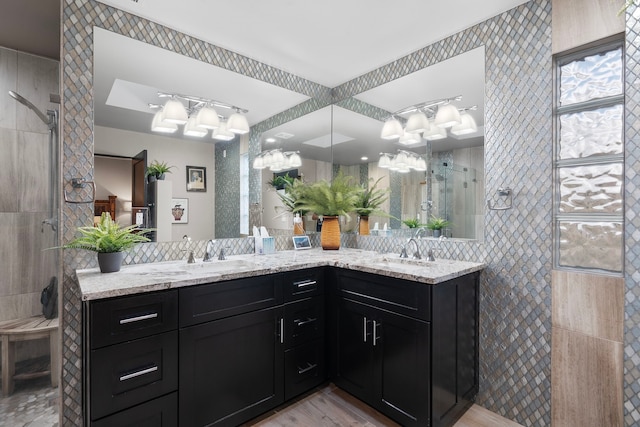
(108, 236)
(329, 199)
(370, 199)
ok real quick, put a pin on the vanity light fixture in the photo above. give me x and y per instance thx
(447, 116)
(204, 116)
(192, 129)
(277, 160)
(410, 138)
(207, 118)
(392, 129)
(158, 125)
(402, 162)
(417, 123)
(467, 125)
(222, 134)
(237, 123)
(174, 112)
(434, 132)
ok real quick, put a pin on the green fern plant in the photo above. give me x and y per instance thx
(437, 223)
(412, 223)
(329, 199)
(370, 199)
(108, 236)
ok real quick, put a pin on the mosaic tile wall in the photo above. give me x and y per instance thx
(227, 208)
(515, 293)
(632, 221)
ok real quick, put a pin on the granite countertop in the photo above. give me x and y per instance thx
(139, 278)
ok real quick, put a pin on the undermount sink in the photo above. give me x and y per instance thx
(396, 261)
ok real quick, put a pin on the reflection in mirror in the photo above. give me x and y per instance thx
(353, 126)
(453, 185)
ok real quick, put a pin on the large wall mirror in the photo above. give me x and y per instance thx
(128, 74)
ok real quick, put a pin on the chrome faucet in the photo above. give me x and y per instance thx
(221, 256)
(419, 232)
(209, 251)
(416, 254)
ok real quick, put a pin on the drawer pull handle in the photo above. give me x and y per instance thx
(375, 332)
(307, 369)
(299, 322)
(138, 373)
(138, 318)
(305, 283)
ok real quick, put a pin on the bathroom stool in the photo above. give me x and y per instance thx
(32, 328)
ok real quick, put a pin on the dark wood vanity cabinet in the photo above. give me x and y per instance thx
(409, 350)
(247, 345)
(132, 360)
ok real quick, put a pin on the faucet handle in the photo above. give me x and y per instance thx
(222, 256)
(191, 259)
(403, 252)
(430, 256)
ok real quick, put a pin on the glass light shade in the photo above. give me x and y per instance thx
(467, 126)
(421, 165)
(268, 160)
(434, 132)
(157, 125)
(278, 157)
(417, 123)
(222, 134)
(411, 161)
(207, 118)
(410, 138)
(401, 160)
(190, 129)
(384, 161)
(174, 112)
(237, 123)
(392, 129)
(295, 161)
(258, 163)
(447, 116)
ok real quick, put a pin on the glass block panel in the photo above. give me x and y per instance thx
(591, 189)
(591, 133)
(592, 77)
(592, 245)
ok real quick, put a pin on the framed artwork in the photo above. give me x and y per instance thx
(180, 211)
(196, 178)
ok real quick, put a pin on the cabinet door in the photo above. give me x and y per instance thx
(354, 356)
(401, 346)
(231, 370)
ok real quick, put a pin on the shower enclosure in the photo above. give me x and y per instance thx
(454, 197)
(30, 198)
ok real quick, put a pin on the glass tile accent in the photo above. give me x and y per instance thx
(592, 245)
(595, 76)
(591, 189)
(591, 133)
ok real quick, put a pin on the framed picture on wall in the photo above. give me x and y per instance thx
(180, 211)
(196, 178)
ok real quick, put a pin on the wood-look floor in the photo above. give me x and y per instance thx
(332, 407)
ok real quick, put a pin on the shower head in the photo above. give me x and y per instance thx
(32, 107)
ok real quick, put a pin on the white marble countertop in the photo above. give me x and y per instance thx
(139, 278)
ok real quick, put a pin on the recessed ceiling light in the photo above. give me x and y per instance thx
(363, 158)
(270, 139)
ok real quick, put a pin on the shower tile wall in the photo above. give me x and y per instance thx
(25, 176)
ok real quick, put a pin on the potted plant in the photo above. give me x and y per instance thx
(290, 197)
(436, 224)
(279, 182)
(109, 240)
(156, 170)
(329, 200)
(369, 200)
(412, 223)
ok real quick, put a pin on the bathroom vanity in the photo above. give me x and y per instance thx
(220, 343)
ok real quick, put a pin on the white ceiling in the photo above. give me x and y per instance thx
(329, 41)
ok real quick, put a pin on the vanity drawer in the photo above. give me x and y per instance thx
(303, 283)
(305, 368)
(124, 375)
(396, 295)
(304, 321)
(160, 412)
(123, 319)
(215, 301)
